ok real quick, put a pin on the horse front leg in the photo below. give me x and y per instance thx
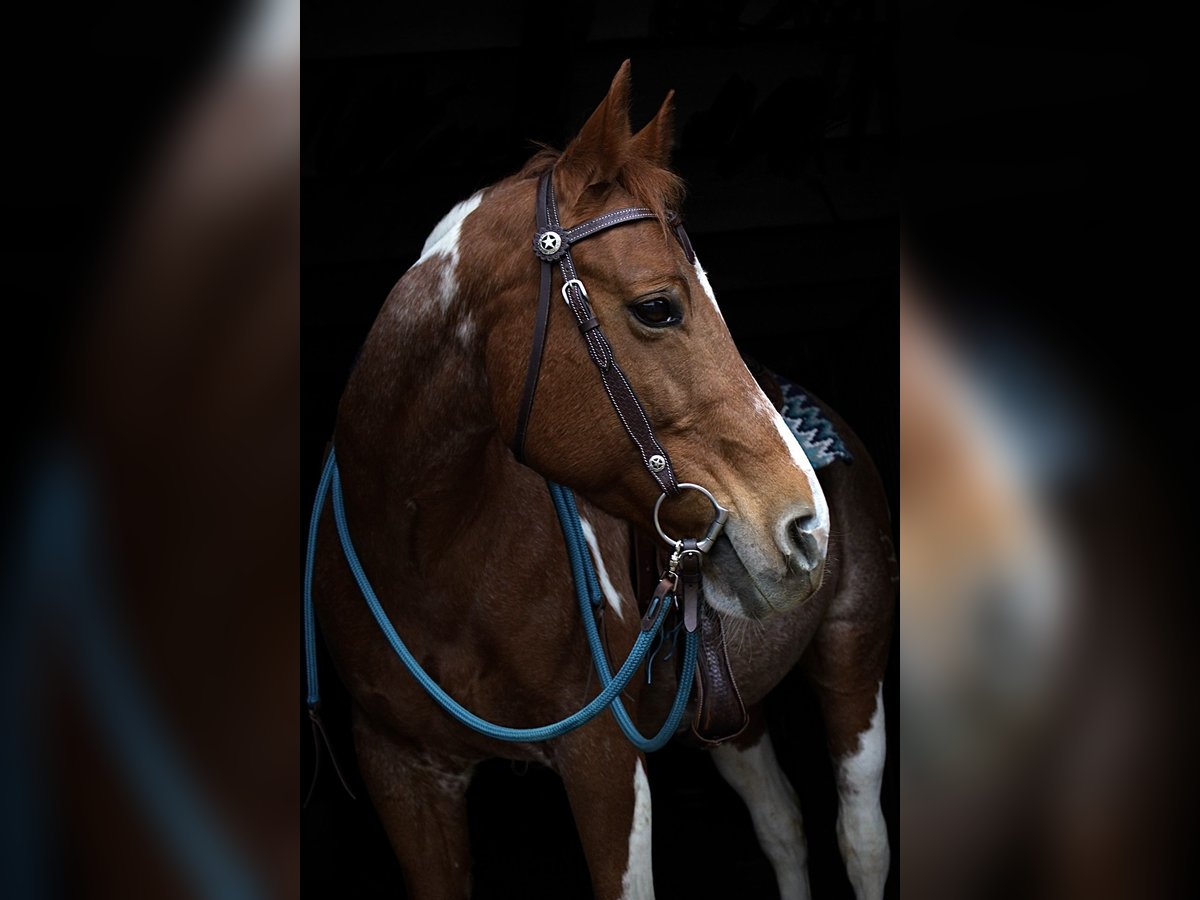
(421, 801)
(606, 783)
(861, 830)
(846, 663)
(749, 766)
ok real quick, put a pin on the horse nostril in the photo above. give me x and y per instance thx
(805, 544)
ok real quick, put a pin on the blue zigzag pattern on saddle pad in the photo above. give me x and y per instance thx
(820, 440)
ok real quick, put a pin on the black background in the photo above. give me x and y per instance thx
(786, 137)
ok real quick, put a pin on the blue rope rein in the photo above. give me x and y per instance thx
(587, 589)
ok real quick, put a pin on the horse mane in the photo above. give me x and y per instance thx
(650, 184)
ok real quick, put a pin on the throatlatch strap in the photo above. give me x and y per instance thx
(535, 362)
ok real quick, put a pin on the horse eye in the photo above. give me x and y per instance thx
(656, 312)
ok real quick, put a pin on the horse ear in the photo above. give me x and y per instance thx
(602, 145)
(653, 143)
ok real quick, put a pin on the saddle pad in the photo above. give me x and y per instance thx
(816, 434)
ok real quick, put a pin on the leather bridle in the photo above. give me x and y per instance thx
(552, 244)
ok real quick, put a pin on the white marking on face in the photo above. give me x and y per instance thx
(443, 241)
(820, 526)
(638, 882)
(702, 277)
(606, 585)
(774, 810)
(820, 529)
(861, 830)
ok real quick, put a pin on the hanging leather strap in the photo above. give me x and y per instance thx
(691, 599)
(720, 712)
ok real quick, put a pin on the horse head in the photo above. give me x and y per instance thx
(661, 319)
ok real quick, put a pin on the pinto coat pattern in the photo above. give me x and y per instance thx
(462, 543)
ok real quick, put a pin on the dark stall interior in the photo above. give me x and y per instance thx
(787, 140)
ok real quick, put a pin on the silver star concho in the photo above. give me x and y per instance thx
(550, 242)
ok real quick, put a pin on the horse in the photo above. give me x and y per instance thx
(462, 542)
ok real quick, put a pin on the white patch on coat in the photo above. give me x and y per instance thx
(444, 237)
(465, 330)
(774, 810)
(702, 277)
(861, 830)
(606, 585)
(454, 784)
(638, 881)
(443, 241)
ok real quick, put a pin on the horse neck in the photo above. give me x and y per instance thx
(423, 466)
